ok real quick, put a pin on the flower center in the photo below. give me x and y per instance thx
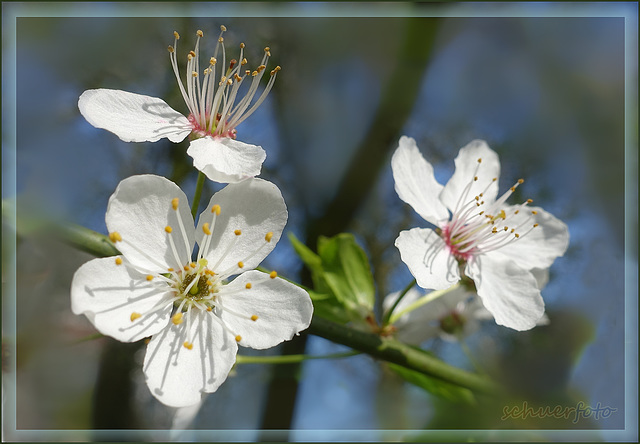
(477, 226)
(216, 106)
(195, 286)
(453, 323)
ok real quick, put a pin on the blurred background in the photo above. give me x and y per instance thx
(548, 94)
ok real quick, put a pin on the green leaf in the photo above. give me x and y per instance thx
(435, 386)
(326, 306)
(347, 271)
(342, 279)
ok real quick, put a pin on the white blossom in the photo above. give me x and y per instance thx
(196, 317)
(477, 234)
(215, 104)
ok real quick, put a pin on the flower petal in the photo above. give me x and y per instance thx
(282, 309)
(139, 210)
(428, 258)
(226, 160)
(251, 208)
(415, 182)
(457, 191)
(178, 376)
(508, 291)
(420, 324)
(540, 246)
(133, 117)
(108, 294)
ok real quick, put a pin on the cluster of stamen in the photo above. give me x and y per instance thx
(196, 285)
(212, 102)
(477, 227)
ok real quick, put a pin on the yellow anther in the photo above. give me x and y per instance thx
(477, 198)
(512, 189)
(517, 235)
(273, 274)
(188, 345)
(209, 309)
(516, 212)
(254, 73)
(209, 283)
(168, 229)
(212, 61)
(205, 228)
(194, 74)
(254, 318)
(186, 268)
(513, 229)
(248, 286)
(241, 45)
(267, 49)
(220, 39)
(199, 33)
(170, 48)
(169, 269)
(209, 272)
(176, 35)
(529, 201)
(229, 82)
(223, 28)
(535, 225)
(534, 212)
(118, 261)
(174, 203)
(192, 54)
(480, 160)
(520, 181)
(277, 68)
(177, 318)
(475, 178)
(240, 264)
(115, 237)
(216, 209)
(149, 277)
(238, 232)
(502, 214)
(495, 230)
(268, 236)
(134, 316)
(261, 68)
(506, 228)
(494, 179)
(238, 338)
(237, 78)
(248, 72)
(193, 265)
(243, 61)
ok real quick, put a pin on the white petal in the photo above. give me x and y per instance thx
(178, 376)
(415, 182)
(282, 309)
(108, 294)
(467, 167)
(255, 207)
(428, 258)
(508, 291)
(140, 209)
(542, 245)
(133, 117)
(226, 160)
(423, 323)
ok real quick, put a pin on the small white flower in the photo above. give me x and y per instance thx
(195, 317)
(453, 316)
(215, 110)
(478, 235)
